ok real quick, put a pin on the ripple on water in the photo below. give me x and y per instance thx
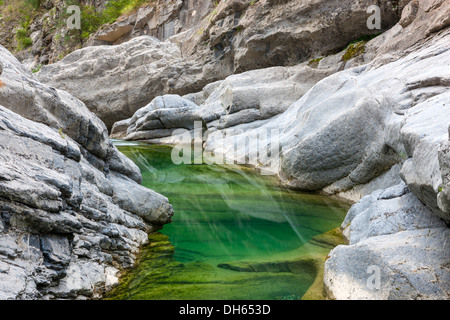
(235, 234)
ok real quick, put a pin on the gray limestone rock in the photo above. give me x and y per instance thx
(72, 214)
(398, 249)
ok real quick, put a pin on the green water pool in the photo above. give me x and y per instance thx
(235, 234)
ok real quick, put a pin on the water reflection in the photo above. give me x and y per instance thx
(230, 213)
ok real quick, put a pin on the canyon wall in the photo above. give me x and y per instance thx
(73, 214)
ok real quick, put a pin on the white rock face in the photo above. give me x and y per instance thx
(424, 132)
(354, 125)
(398, 249)
(407, 265)
(239, 99)
(115, 81)
(72, 214)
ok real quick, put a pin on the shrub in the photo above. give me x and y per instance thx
(354, 50)
(92, 20)
(314, 63)
(36, 68)
(34, 3)
(22, 38)
(357, 47)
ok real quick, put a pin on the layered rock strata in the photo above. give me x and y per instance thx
(72, 212)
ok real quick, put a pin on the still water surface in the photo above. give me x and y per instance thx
(230, 234)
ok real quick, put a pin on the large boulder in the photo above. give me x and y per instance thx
(115, 81)
(246, 35)
(160, 118)
(356, 125)
(73, 215)
(397, 250)
(247, 98)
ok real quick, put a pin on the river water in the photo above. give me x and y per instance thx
(235, 234)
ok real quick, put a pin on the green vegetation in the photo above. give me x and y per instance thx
(403, 155)
(61, 133)
(354, 50)
(16, 19)
(313, 63)
(22, 38)
(17, 16)
(92, 20)
(34, 3)
(36, 68)
(357, 47)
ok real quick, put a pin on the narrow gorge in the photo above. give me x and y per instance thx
(234, 149)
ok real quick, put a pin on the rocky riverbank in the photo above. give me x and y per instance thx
(367, 121)
(72, 212)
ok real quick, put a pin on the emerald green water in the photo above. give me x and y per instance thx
(232, 233)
